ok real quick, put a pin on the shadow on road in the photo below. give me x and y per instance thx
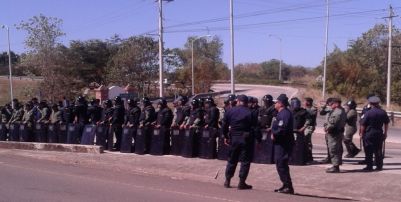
(324, 197)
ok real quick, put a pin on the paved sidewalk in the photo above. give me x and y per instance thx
(309, 181)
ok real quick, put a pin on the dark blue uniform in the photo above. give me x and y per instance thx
(282, 129)
(373, 121)
(237, 127)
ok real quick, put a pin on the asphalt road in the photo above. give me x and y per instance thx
(32, 179)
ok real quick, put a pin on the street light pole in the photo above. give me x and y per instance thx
(9, 65)
(232, 45)
(161, 48)
(326, 48)
(281, 55)
(192, 62)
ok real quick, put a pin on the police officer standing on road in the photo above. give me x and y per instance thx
(181, 111)
(197, 117)
(107, 113)
(374, 127)
(164, 114)
(55, 116)
(117, 121)
(283, 139)
(300, 116)
(18, 113)
(28, 120)
(266, 112)
(132, 114)
(310, 127)
(237, 133)
(44, 112)
(148, 116)
(325, 111)
(350, 129)
(334, 128)
(212, 114)
(94, 111)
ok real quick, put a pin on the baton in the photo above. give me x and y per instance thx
(384, 148)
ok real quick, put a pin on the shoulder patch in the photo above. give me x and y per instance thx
(280, 123)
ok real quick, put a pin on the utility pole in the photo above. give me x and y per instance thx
(281, 55)
(9, 65)
(390, 38)
(326, 48)
(161, 48)
(232, 45)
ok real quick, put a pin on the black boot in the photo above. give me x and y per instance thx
(242, 185)
(227, 183)
(334, 169)
(279, 189)
(286, 190)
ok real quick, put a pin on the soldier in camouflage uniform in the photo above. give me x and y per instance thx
(334, 128)
(44, 112)
(28, 120)
(325, 111)
(351, 129)
(18, 113)
(55, 116)
(310, 126)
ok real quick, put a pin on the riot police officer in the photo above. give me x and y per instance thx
(94, 111)
(334, 128)
(17, 114)
(351, 129)
(325, 111)
(266, 112)
(212, 114)
(237, 132)
(181, 112)
(44, 112)
(55, 116)
(28, 120)
(117, 121)
(164, 114)
(374, 127)
(197, 115)
(132, 114)
(81, 111)
(310, 127)
(6, 113)
(148, 116)
(107, 112)
(300, 116)
(283, 140)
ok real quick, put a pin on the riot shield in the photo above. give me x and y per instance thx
(25, 133)
(142, 141)
(207, 146)
(176, 141)
(263, 153)
(73, 134)
(190, 143)
(3, 132)
(222, 149)
(14, 132)
(52, 133)
(88, 135)
(126, 139)
(40, 132)
(62, 133)
(298, 155)
(101, 135)
(160, 141)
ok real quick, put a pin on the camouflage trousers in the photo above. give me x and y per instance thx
(335, 146)
(308, 143)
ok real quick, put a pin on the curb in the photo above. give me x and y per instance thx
(52, 147)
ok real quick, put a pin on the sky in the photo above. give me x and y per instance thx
(258, 23)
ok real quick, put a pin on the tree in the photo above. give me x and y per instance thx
(135, 62)
(42, 40)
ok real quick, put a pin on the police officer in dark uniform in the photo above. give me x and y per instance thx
(212, 114)
(107, 112)
(132, 114)
(148, 116)
(81, 111)
(266, 112)
(164, 114)
(300, 116)
(117, 121)
(237, 132)
(197, 115)
(94, 111)
(283, 138)
(374, 127)
(179, 116)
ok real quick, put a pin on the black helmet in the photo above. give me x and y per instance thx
(92, 101)
(132, 102)
(209, 100)
(295, 103)
(253, 99)
(81, 99)
(108, 103)
(146, 101)
(118, 100)
(232, 97)
(351, 104)
(162, 101)
(267, 98)
(195, 103)
(183, 99)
